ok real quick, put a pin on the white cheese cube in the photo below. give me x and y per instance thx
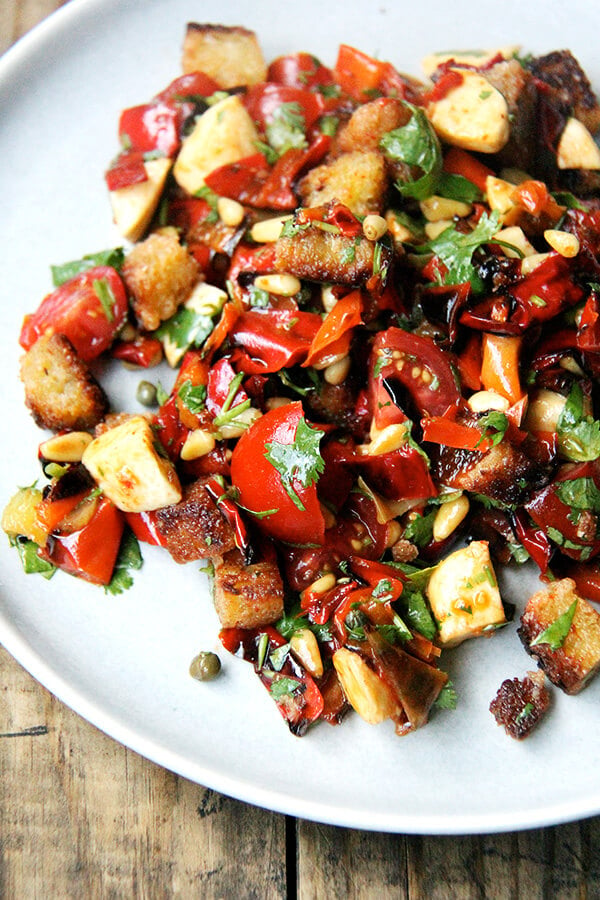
(577, 149)
(224, 134)
(463, 595)
(476, 58)
(473, 115)
(134, 206)
(129, 469)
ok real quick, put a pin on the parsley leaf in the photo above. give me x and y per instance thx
(416, 611)
(456, 250)
(187, 328)
(578, 434)
(457, 187)
(286, 130)
(420, 529)
(298, 463)
(295, 620)
(415, 144)
(555, 634)
(447, 698)
(129, 557)
(581, 493)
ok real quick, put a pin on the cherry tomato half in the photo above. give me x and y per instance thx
(89, 310)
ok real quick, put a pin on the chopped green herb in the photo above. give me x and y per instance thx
(456, 250)
(415, 144)
(64, 272)
(447, 698)
(129, 558)
(192, 396)
(555, 634)
(284, 687)
(31, 562)
(104, 293)
(298, 463)
(287, 128)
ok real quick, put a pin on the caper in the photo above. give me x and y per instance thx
(146, 393)
(205, 666)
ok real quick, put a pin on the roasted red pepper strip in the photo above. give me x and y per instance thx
(92, 551)
(143, 351)
(337, 324)
(215, 488)
(145, 528)
(461, 162)
(127, 169)
(153, 126)
(273, 339)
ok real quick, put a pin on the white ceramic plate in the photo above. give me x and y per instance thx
(122, 661)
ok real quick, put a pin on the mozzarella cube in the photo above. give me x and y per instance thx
(224, 134)
(134, 206)
(476, 58)
(473, 115)
(463, 595)
(577, 149)
(128, 468)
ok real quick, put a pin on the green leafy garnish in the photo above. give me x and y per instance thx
(447, 698)
(457, 187)
(578, 434)
(456, 250)
(185, 329)
(555, 634)
(420, 529)
(104, 293)
(64, 272)
(287, 128)
(493, 425)
(192, 396)
(415, 144)
(31, 562)
(205, 193)
(416, 612)
(129, 558)
(580, 493)
(299, 463)
(284, 687)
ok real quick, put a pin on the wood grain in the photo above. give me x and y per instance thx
(83, 817)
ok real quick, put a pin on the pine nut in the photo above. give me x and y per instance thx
(268, 230)
(449, 516)
(564, 243)
(321, 585)
(337, 372)
(276, 402)
(482, 401)
(237, 426)
(389, 438)
(305, 647)
(328, 298)
(515, 236)
(128, 332)
(281, 283)
(67, 447)
(198, 443)
(436, 208)
(374, 227)
(230, 212)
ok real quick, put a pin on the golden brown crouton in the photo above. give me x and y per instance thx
(194, 528)
(230, 55)
(322, 256)
(569, 653)
(520, 704)
(60, 390)
(159, 274)
(499, 473)
(247, 596)
(356, 179)
(370, 122)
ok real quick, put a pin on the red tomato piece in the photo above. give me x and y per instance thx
(264, 102)
(300, 70)
(418, 365)
(262, 487)
(89, 310)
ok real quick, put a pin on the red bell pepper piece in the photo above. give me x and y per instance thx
(91, 552)
(443, 430)
(272, 339)
(151, 127)
(127, 169)
(334, 335)
(461, 162)
(300, 70)
(145, 528)
(264, 101)
(220, 377)
(143, 351)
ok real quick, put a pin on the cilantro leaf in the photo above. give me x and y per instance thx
(456, 250)
(298, 463)
(31, 562)
(555, 634)
(581, 493)
(416, 612)
(65, 271)
(192, 396)
(129, 557)
(494, 425)
(187, 328)
(447, 698)
(415, 144)
(457, 187)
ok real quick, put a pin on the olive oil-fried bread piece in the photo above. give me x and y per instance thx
(247, 596)
(194, 528)
(60, 390)
(229, 54)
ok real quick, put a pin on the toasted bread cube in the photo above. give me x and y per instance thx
(573, 664)
(247, 596)
(322, 256)
(229, 54)
(125, 463)
(194, 528)
(160, 275)
(368, 124)
(134, 206)
(224, 134)
(463, 595)
(60, 390)
(473, 115)
(355, 179)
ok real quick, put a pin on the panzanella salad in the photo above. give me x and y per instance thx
(379, 299)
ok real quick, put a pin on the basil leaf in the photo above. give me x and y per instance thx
(104, 293)
(64, 272)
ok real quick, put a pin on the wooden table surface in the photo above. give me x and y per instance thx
(83, 817)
